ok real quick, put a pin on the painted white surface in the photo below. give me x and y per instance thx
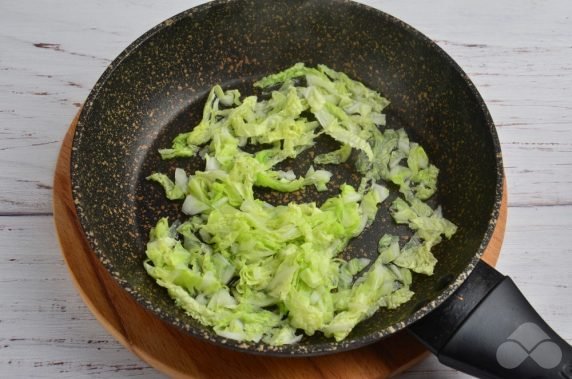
(517, 52)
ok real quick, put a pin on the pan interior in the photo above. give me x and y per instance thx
(157, 87)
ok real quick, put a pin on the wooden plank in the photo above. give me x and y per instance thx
(53, 54)
(43, 319)
(45, 328)
(518, 55)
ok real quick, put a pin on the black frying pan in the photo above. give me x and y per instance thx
(467, 313)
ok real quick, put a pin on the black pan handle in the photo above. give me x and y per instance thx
(489, 330)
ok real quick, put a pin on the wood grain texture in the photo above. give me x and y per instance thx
(180, 355)
(517, 52)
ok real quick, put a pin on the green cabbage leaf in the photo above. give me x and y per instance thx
(259, 272)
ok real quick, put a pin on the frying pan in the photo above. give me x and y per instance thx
(471, 316)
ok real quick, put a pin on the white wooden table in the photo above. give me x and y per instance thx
(517, 52)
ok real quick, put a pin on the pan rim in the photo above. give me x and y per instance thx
(285, 350)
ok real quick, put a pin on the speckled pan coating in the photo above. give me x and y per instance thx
(156, 88)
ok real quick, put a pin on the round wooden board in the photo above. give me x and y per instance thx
(182, 356)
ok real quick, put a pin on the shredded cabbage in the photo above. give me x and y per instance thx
(258, 272)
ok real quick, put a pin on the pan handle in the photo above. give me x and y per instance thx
(489, 330)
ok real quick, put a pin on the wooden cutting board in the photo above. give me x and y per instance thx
(182, 356)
